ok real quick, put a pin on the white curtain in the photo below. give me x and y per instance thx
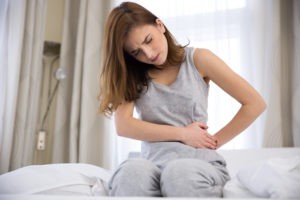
(295, 74)
(256, 39)
(278, 41)
(21, 42)
(80, 133)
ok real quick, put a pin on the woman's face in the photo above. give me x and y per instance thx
(148, 44)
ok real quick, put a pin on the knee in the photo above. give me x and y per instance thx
(175, 179)
(135, 177)
(189, 177)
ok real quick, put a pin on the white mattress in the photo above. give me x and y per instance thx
(63, 197)
(81, 181)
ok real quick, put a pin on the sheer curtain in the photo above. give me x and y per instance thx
(80, 134)
(251, 36)
(21, 42)
(295, 74)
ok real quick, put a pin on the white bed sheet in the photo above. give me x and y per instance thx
(236, 160)
(56, 179)
(61, 197)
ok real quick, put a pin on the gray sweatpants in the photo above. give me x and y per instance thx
(171, 169)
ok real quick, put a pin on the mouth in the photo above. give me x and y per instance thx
(155, 58)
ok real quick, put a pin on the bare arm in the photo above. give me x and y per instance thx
(194, 134)
(252, 104)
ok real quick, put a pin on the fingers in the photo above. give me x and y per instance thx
(206, 145)
(202, 125)
(210, 142)
(204, 140)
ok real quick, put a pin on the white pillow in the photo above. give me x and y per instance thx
(70, 178)
(234, 189)
(274, 178)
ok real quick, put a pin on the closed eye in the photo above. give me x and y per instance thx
(149, 40)
(136, 52)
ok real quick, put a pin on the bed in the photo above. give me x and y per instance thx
(255, 174)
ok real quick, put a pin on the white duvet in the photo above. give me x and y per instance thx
(58, 179)
(273, 178)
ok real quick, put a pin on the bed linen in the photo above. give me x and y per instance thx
(259, 173)
(90, 179)
(56, 179)
(273, 178)
(60, 197)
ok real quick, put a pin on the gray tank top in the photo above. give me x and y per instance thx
(179, 104)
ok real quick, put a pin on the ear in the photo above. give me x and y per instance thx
(160, 25)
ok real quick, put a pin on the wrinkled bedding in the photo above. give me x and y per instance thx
(56, 179)
(255, 173)
(273, 178)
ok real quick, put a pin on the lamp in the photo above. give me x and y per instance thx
(51, 49)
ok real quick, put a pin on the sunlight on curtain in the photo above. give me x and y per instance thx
(80, 133)
(11, 36)
(21, 36)
(223, 26)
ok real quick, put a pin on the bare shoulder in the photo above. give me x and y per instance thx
(203, 59)
(202, 54)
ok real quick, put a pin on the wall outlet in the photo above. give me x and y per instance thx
(41, 140)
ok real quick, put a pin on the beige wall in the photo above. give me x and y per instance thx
(55, 10)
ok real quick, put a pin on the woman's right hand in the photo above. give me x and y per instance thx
(196, 135)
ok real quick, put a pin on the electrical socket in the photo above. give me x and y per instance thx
(41, 140)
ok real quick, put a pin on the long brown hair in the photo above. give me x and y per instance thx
(123, 77)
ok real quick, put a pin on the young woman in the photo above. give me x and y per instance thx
(167, 83)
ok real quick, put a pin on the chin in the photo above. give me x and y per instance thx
(160, 63)
(163, 62)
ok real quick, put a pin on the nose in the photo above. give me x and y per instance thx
(148, 53)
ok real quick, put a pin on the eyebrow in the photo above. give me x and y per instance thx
(145, 40)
